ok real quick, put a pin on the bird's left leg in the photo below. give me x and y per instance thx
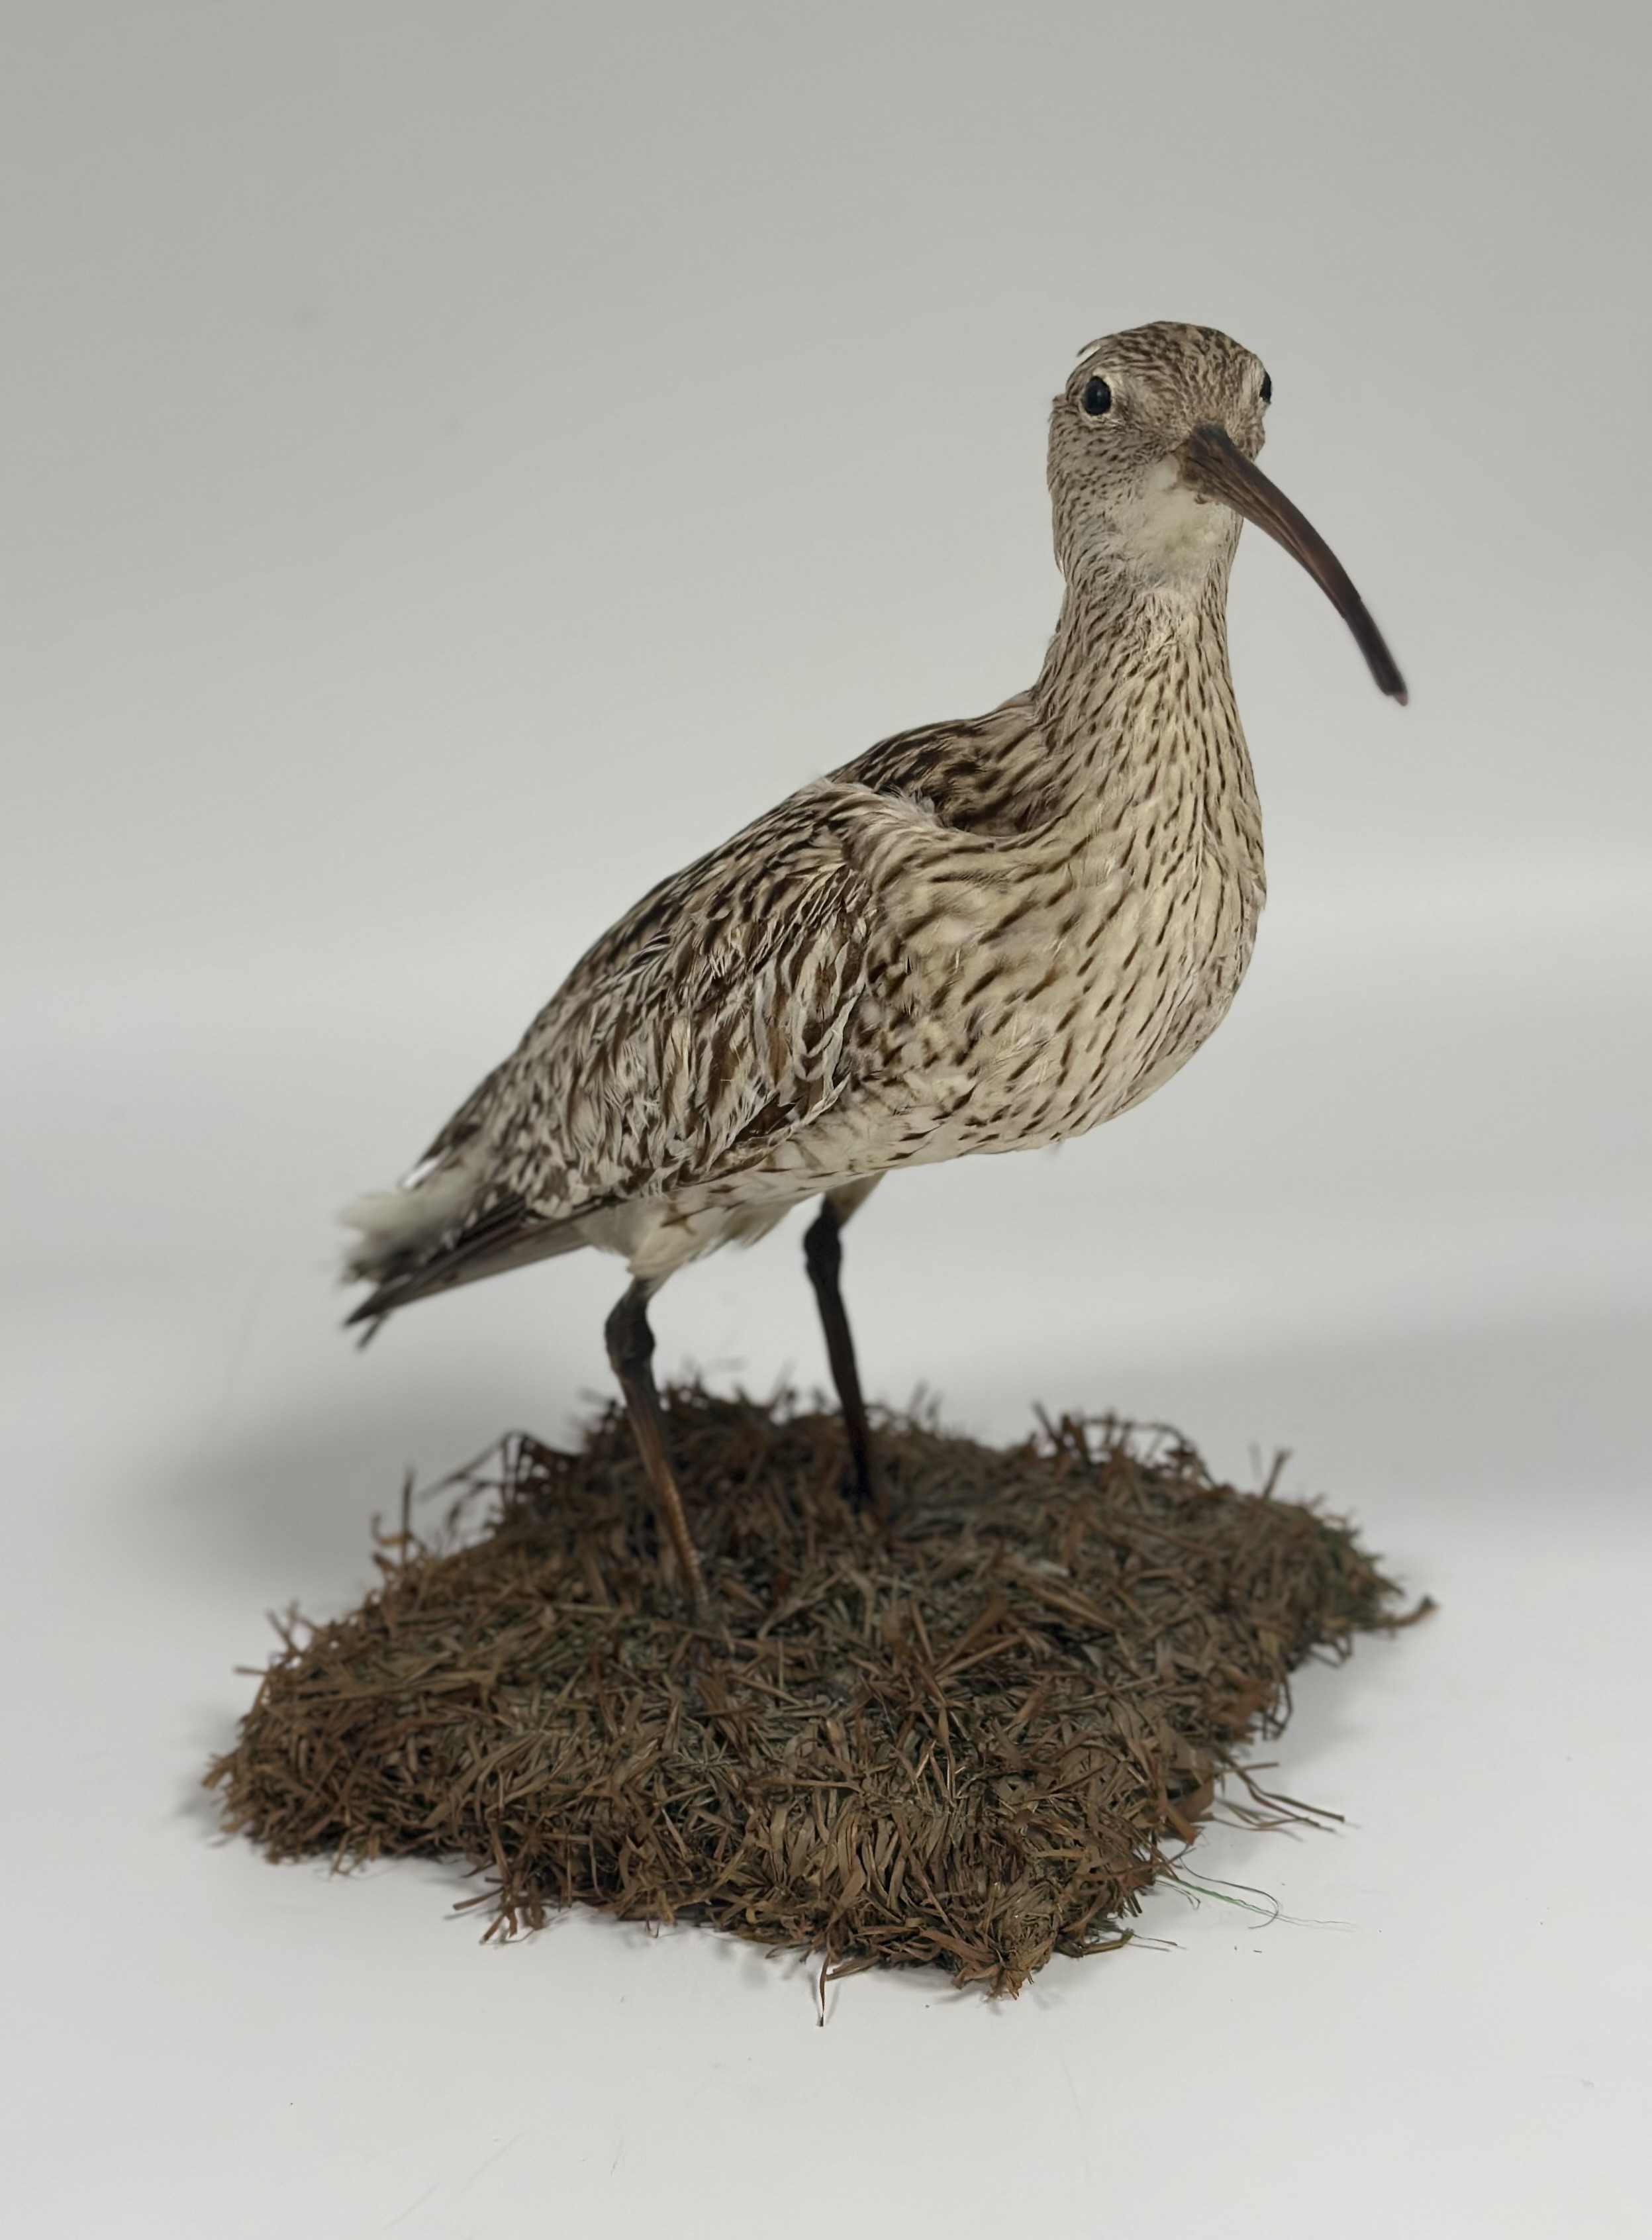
(630, 1352)
(824, 1258)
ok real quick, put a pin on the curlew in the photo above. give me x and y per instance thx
(987, 935)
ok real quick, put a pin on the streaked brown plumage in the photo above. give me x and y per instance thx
(983, 935)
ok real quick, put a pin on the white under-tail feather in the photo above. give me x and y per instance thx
(395, 1225)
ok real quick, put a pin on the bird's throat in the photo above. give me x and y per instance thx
(1136, 695)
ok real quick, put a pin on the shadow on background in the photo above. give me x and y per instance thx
(1390, 1427)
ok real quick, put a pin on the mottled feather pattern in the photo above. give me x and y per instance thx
(979, 935)
(709, 1021)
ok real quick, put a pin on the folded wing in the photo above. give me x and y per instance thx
(716, 1018)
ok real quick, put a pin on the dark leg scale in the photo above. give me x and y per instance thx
(823, 1256)
(630, 1352)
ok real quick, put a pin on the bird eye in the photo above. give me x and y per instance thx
(1097, 397)
(1267, 388)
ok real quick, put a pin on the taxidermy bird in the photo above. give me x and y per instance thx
(988, 935)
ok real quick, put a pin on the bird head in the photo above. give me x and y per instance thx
(1153, 445)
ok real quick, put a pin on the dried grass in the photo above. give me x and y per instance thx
(962, 1737)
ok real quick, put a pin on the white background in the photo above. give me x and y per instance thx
(459, 461)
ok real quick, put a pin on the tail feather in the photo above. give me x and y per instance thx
(507, 1236)
(396, 1229)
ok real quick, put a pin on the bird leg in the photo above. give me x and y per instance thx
(630, 1352)
(823, 1256)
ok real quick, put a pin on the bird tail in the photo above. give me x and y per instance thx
(423, 1238)
(397, 1229)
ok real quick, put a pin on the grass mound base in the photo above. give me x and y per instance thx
(960, 1737)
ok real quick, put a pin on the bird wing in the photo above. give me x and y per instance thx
(760, 989)
(716, 1016)
(737, 1005)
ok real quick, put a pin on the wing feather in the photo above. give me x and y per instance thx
(735, 1005)
(714, 1019)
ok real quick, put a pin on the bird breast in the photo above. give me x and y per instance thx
(1059, 980)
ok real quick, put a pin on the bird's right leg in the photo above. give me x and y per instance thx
(630, 1352)
(824, 1258)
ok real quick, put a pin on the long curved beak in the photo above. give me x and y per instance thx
(1213, 466)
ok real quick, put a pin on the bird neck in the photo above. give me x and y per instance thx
(1135, 697)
